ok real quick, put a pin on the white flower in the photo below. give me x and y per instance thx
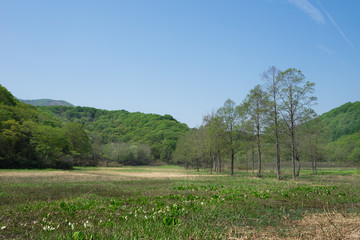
(48, 228)
(71, 225)
(3, 227)
(87, 224)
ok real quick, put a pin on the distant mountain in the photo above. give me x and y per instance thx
(46, 102)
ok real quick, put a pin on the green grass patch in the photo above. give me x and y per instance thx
(207, 207)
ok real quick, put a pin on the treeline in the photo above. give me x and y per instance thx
(122, 137)
(269, 122)
(33, 139)
(64, 136)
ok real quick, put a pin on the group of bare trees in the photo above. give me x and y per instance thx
(274, 110)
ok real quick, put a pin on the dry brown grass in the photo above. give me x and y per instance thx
(100, 174)
(332, 226)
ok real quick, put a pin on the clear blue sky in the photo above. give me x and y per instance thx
(178, 57)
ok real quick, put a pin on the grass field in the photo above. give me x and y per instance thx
(171, 203)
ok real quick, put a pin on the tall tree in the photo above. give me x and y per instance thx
(78, 139)
(297, 99)
(272, 85)
(215, 141)
(184, 150)
(256, 106)
(229, 119)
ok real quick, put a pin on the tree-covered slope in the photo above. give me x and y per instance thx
(343, 125)
(60, 136)
(31, 138)
(46, 102)
(343, 120)
(159, 133)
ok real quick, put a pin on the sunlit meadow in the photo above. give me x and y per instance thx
(172, 203)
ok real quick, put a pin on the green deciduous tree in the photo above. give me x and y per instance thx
(256, 105)
(51, 146)
(296, 100)
(229, 117)
(271, 78)
(6, 97)
(214, 139)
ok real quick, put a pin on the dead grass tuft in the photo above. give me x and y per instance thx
(329, 226)
(102, 174)
(326, 225)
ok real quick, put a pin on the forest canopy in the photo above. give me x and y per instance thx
(63, 136)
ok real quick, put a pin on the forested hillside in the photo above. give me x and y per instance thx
(46, 102)
(122, 136)
(63, 136)
(344, 120)
(30, 138)
(343, 124)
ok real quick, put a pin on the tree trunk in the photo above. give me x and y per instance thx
(259, 151)
(314, 170)
(232, 161)
(213, 158)
(253, 159)
(278, 171)
(298, 164)
(293, 144)
(277, 145)
(293, 155)
(219, 162)
(246, 160)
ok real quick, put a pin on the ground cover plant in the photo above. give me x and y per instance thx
(172, 203)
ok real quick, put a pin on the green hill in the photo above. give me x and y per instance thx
(344, 120)
(31, 138)
(46, 102)
(106, 128)
(343, 124)
(63, 136)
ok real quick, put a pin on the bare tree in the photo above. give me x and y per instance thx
(297, 99)
(272, 84)
(256, 106)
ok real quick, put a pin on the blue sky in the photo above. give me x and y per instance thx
(178, 57)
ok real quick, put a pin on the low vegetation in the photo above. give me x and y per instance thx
(172, 203)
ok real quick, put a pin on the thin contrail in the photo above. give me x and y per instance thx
(333, 22)
(309, 9)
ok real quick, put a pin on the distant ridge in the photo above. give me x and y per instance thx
(46, 102)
